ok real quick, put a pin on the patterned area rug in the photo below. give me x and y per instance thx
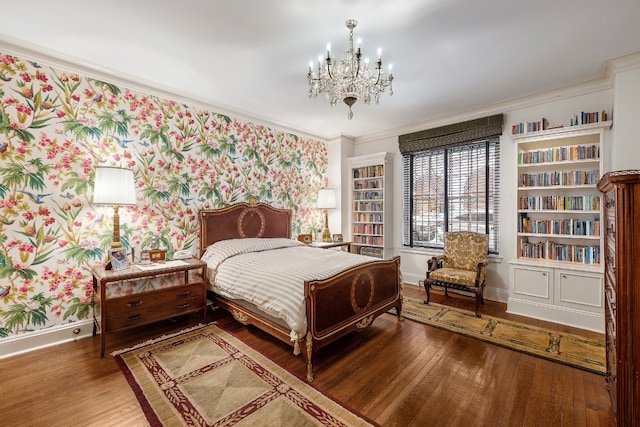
(205, 376)
(574, 350)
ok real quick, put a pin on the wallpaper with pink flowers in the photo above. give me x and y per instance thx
(57, 126)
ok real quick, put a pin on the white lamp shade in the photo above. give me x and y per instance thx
(327, 198)
(114, 186)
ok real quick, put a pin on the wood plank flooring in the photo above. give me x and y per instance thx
(396, 373)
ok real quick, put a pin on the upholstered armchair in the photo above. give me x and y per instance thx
(462, 267)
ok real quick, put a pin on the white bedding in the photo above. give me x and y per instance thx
(270, 273)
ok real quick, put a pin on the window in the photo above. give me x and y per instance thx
(450, 185)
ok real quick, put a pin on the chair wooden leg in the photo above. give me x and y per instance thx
(478, 298)
(427, 287)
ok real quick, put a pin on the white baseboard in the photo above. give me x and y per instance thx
(413, 279)
(552, 313)
(12, 346)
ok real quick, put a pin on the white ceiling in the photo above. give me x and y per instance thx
(251, 56)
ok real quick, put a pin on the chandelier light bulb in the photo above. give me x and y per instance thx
(347, 80)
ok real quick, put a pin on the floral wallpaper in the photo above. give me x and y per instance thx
(57, 126)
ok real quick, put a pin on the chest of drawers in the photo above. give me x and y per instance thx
(621, 193)
(116, 313)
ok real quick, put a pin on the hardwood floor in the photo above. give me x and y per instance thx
(395, 373)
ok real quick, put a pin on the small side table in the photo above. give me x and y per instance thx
(327, 245)
(129, 311)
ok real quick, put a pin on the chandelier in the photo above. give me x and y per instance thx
(348, 80)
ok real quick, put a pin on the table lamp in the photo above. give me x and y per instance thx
(114, 186)
(326, 200)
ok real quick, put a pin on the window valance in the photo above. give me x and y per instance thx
(446, 136)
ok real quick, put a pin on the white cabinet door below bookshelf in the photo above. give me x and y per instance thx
(579, 290)
(533, 282)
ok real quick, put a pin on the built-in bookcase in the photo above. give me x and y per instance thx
(558, 265)
(371, 206)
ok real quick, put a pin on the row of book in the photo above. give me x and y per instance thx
(525, 127)
(365, 185)
(560, 252)
(369, 172)
(559, 154)
(367, 195)
(566, 227)
(560, 203)
(367, 206)
(368, 240)
(362, 217)
(368, 229)
(547, 179)
(585, 118)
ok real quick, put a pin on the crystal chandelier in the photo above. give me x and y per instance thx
(348, 80)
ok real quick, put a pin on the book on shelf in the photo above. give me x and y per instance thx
(537, 126)
(588, 117)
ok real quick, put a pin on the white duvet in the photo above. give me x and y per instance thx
(270, 273)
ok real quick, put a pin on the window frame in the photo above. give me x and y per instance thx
(489, 194)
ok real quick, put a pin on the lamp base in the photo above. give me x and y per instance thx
(326, 236)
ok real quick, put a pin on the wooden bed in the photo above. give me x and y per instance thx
(346, 302)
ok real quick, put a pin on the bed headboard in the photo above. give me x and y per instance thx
(243, 220)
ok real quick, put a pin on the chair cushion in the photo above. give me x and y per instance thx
(453, 275)
(465, 249)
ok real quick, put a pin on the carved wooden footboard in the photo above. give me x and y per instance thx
(350, 301)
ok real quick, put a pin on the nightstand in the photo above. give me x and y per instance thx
(180, 296)
(326, 245)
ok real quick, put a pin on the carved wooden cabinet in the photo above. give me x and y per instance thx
(622, 292)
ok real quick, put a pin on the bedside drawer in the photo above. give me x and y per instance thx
(135, 303)
(186, 294)
(138, 316)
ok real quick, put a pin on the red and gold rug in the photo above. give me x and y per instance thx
(205, 376)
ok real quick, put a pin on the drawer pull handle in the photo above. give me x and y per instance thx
(184, 305)
(136, 317)
(134, 304)
(184, 294)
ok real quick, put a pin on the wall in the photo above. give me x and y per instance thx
(626, 145)
(56, 126)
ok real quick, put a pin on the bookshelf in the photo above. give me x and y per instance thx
(371, 204)
(557, 271)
